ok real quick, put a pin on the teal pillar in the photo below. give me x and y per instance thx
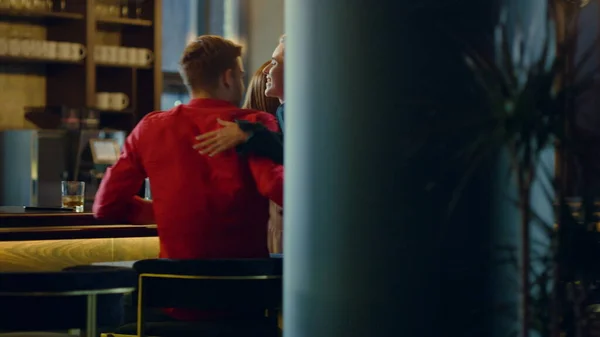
(369, 250)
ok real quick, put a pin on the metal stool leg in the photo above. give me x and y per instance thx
(91, 324)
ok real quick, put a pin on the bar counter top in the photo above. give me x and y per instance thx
(16, 223)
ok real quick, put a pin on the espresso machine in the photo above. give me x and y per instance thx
(34, 162)
(91, 153)
(67, 146)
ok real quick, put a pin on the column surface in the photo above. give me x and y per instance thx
(369, 247)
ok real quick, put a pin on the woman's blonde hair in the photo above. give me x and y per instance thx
(255, 95)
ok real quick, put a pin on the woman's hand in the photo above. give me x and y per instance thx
(215, 142)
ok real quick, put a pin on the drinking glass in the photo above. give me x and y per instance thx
(138, 8)
(113, 10)
(147, 191)
(38, 5)
(124, 8)
(73, 193)
(27, 4)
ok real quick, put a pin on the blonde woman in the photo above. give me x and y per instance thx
(256, 100)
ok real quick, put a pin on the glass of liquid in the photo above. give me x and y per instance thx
(73, 193)
(147, 191)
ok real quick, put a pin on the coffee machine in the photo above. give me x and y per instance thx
(34, 162)
(90, 158)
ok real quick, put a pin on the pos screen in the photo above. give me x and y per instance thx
(104, 151)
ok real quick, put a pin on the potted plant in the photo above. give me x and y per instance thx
(529, 96)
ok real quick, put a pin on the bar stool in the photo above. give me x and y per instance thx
(53, 301)
(244, 285)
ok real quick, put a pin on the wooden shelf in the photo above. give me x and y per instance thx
(126, 112)
(32, 15)
(74, 84)
(116, 65)
(22, 59)
(124, 21)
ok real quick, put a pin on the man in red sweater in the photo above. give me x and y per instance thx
(204, 207)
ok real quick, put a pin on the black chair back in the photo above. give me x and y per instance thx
(243, 285)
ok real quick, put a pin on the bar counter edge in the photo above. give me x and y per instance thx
(51, 241)
(18, 224)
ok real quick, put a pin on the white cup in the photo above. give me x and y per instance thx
(3, 46)
(78, 51)
(100, 54)
(50, 50)
(112, 54)
(26, 47)
(38, 48)
(14, 47)
(132, 56)
(144, 57)
(103, 100)
(63, 51)
(122, 55)
(118, 101)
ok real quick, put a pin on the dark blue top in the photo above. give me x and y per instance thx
(279, 113)
(264, 142)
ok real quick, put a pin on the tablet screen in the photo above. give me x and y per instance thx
(104, 151)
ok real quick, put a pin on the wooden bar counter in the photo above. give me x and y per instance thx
(45, 240)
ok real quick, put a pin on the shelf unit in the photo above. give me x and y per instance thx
(75, 83)
(108, 65)
(16, 14)
(13, 59)
(124, 21)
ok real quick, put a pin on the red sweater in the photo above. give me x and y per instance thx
(204, 207)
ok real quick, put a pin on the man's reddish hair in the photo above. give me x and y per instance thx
(206, 59)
